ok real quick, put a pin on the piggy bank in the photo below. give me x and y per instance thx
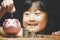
(11, 26)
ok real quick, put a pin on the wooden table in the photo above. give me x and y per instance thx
(52, 38)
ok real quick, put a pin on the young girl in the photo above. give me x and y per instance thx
(35, 17)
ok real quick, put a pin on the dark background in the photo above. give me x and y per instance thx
(53, 9)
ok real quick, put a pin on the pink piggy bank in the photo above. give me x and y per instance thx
(11, 26)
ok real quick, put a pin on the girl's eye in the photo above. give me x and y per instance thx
(27, 14)
(37, 14)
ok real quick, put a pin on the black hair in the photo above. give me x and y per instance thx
(28, 4)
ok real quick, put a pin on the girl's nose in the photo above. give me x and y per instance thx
(32, 21)
(32, 17)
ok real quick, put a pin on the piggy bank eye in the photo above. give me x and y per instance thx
(13, 22)
(8, 22)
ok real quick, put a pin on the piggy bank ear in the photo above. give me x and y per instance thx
(5, 21)
(18, 22)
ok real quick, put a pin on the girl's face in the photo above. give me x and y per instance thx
(34, 19)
